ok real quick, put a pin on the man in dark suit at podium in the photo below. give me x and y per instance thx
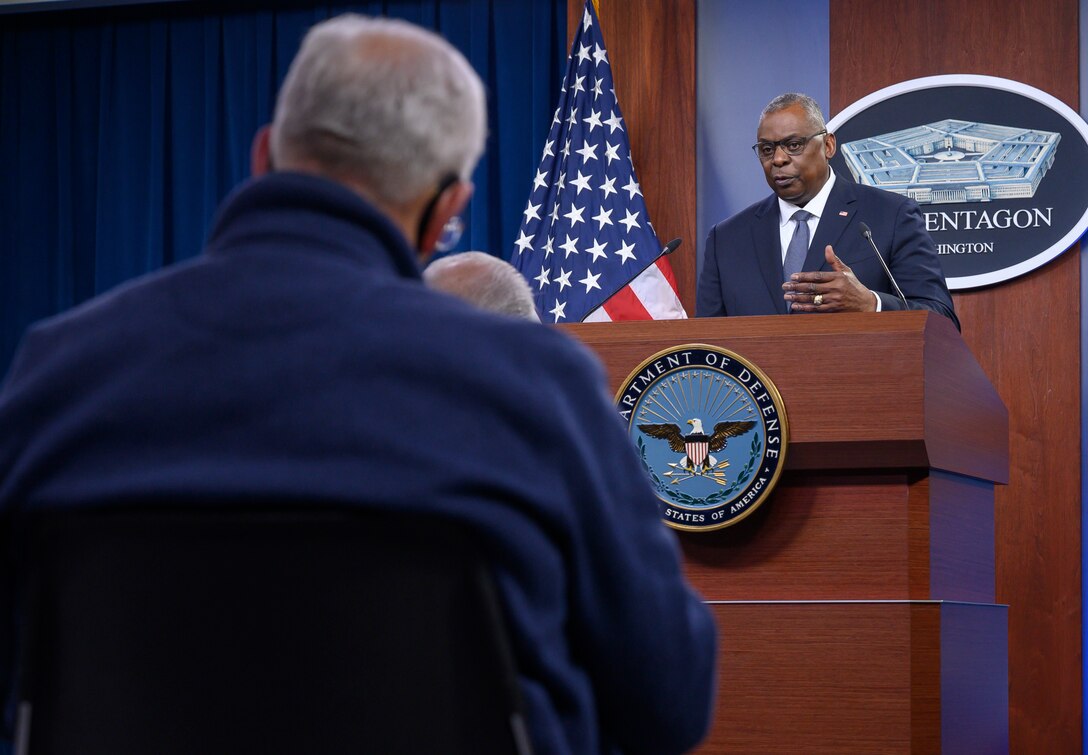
(802, 249)
(301, 357)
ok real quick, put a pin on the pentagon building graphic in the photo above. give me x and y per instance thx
(954, 161)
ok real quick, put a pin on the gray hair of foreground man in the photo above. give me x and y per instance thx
(381, 103)
(809, 105)
(484, 280)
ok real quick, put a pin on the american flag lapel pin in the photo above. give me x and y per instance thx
(843, 214)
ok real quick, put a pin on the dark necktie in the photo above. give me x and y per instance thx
(797, 250)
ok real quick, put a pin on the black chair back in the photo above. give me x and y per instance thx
(241, 631)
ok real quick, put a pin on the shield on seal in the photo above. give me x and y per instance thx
(696, 446)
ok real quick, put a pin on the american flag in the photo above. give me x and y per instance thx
(586, 245)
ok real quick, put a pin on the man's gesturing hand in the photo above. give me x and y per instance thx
(837, 290)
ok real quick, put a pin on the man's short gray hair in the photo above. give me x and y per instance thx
(484, 280)
(383, 102)
(809, 105)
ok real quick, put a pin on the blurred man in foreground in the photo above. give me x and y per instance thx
(802, 248)
(301, 356)
(484, 280)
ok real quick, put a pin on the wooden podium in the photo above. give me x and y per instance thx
(856, 606)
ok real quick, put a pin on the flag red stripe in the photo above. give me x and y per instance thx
(665, 267)
(624, 305)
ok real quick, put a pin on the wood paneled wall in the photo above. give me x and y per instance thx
(1025, 333)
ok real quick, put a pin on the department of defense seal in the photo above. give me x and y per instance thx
(711, 431)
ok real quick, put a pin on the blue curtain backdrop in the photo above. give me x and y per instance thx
(121, 129)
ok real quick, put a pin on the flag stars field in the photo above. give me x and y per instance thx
(588, 151)
(626, 251)
(590, 281)
(615, 122)
(558, 310)
(563, 280)
(524, 242)
(582, 182)
(603, 217)
(597, 250)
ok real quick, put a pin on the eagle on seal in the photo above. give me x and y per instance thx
(697, 445)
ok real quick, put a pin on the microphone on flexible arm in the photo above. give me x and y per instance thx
(668, 249)
(868, 234)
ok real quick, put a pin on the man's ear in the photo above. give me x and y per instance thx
(449, 204)
(260, 155)
(829, 146)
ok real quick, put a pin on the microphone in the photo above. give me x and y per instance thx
(669, 248)
(868, 234)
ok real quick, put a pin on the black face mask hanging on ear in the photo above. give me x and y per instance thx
(428, 211)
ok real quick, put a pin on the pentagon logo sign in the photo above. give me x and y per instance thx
(711, 431)
(996, 166)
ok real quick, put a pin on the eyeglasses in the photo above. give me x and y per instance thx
(454, 227)
(792, 145)
(451, 234)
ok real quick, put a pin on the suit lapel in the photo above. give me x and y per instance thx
(837, 215)
(768, 245)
